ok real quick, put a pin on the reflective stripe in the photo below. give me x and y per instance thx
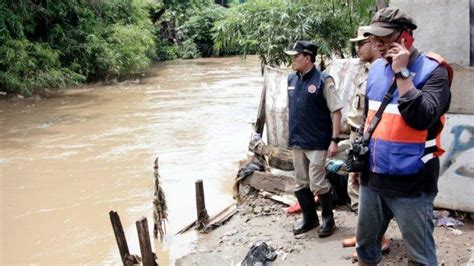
(430, 143)
(427, 157)
(400, 148)
(393, 128)
(392, 108)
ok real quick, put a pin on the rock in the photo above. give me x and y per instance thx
(257, 210)
(266, 209)
(249, 211)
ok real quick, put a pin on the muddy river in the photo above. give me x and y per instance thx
(66, 161)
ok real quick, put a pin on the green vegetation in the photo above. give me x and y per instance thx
(267, 27)
(55, 43)
(185, 29)
(61, 43)
(199, 28)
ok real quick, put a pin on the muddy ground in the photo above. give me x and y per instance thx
(261, 219)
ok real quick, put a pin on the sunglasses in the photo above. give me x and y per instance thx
(361, 43)
(385, 39)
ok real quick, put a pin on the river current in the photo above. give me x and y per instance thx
(66, 161)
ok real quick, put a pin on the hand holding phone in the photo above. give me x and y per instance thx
(408, 43)
(408, 39)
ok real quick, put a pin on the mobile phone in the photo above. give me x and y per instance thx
(408, 42)
(408, 39)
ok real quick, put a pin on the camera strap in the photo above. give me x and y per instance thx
(378, 115)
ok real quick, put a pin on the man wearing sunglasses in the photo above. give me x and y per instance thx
(403, 165)
(367, 55)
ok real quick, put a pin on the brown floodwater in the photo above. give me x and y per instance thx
(66, 161)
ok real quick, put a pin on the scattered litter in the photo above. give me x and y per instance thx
(442, 219)
(249, 168)
(246, 170)
(455, 231)
(280, 199)
(440, 214)
(333, 166)
(293, 209)
(449, 222)
(259, 254)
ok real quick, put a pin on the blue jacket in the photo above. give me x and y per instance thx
(310, 125)
(395, 147)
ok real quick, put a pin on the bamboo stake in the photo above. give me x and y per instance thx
(202, 216)
(148, 257)
(119, 235)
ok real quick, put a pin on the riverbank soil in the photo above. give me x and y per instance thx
(261, 219)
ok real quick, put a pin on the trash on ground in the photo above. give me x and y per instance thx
(442, 219)
(455, 231)
(259, 254)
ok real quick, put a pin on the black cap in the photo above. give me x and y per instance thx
(303, 47)
(389, 19)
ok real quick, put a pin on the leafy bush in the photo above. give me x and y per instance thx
(67, 42)
(166, 51)
(199, 28)
(131, 48)
(33, 66)
(267, 27)
(188, 50)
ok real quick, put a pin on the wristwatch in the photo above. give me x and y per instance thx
(336, 140)
(404, 73)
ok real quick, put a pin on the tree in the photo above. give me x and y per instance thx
(267, 27)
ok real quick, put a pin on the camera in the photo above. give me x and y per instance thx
(357, 156)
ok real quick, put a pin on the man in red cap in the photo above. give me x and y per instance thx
(403, 148)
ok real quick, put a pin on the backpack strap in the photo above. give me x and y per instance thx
(442, 119)
(443, 62)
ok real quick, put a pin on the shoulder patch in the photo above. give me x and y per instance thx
(312, 88)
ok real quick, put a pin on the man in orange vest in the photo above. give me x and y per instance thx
(403, 165)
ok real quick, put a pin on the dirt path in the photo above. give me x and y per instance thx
(261, 219)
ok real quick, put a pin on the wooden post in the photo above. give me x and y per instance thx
(119, 235)
(148, 258)
(202, 216)
(260, 122)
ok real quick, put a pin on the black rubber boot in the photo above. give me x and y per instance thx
(328, 226)
(310, 217)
